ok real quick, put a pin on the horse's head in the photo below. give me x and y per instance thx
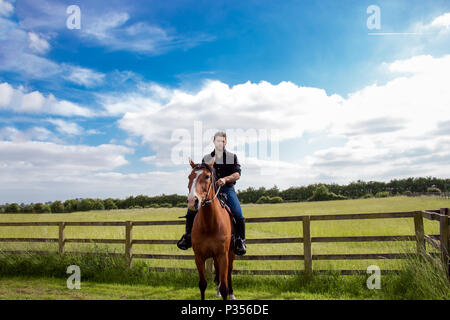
(200, 185)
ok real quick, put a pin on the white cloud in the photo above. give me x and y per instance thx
(247, 103)
(23, 52)
(84, 77)
(33, 133)
(390, 129)
(393, 129)
(41, 171)
(37, 43)
(113, 31)
(103, 184)
(94, 131)
(148, 159)
(6, 8)
(42, 15)
(413, 103)
(120, 105)
(66, 127)
(113, 27)
(146, 97)
(442, 21)
(131, 142)
(48, 157)
(423, 64)
(21, 101)
(286, 107)
(438, 26)
(19, 49)
(101, 27)
(6, 94)
(31, 102)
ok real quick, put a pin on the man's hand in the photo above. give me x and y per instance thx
(221, 181)
(232, 178)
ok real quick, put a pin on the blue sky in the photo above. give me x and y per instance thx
(91, 111)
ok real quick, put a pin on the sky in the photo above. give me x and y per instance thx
(111, 98)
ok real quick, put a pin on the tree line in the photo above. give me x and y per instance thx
(87, 204)
(353, 190)
(312, 192)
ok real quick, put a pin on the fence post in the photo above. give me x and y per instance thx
(128, 242)
(62, 237)
(307, 256)
(420, 233)
(444, 234)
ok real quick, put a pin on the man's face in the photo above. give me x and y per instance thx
(220, 143)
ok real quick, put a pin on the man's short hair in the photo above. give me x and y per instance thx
(220, 134)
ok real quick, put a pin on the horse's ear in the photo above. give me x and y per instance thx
(191, 163)
(211, 162)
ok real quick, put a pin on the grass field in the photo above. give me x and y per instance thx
(53, 288)
(11, 288)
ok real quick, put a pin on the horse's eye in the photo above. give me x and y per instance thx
(207, 177)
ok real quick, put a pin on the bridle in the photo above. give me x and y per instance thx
(207, 201)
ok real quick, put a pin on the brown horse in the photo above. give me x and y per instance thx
(211, 231)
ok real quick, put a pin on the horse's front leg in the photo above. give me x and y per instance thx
(202, 284)
(222, 261)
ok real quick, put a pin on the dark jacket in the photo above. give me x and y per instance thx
(225, 166)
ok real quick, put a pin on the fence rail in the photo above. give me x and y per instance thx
(439, 241)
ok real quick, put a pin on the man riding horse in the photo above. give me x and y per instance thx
(228, 170)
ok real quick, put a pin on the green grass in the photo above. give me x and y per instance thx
(53, 288)
(184, 286)
(106, 279)
(103, 277)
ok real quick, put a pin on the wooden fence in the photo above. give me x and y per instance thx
(439, 241)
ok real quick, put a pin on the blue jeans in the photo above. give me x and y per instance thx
(232, 202)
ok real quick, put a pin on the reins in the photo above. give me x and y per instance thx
(207, 201)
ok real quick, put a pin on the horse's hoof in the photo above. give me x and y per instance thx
(231, 297)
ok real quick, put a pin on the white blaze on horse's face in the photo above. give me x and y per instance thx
(193, 198)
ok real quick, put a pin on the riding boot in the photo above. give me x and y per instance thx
(239, 244)
(185, 242)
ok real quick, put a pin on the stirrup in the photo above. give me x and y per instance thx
(241, 250)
